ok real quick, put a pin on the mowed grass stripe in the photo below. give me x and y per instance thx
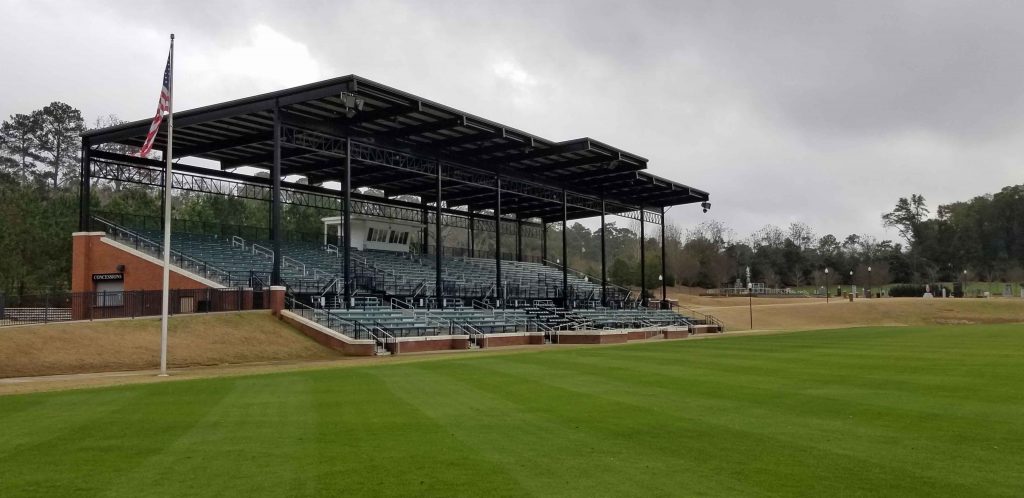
(889, 411)
(932, 393)
(807, 420)
(123, 428)
(523, 426)
(249, 429)
(657, 405)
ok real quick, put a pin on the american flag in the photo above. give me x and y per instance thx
(163, 106)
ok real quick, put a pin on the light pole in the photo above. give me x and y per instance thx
(827, 291)
(868, 293)
(664, 298)
(853, 287)
(963, 285)
(750, 299)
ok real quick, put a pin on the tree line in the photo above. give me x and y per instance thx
(39, 174)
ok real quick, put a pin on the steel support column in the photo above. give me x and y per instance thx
(497, 244)
(275, 208)
(643, 261)
(346, 188)
(84, 188)
(604, 269)
(565, 249)
(519, 240)
(425, 236)
(438, 284)
(544, 243)
(664, 276)
(472, 235)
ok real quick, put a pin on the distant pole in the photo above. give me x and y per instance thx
(664, 275)
(827, 289)
(168, 185)
(750, 299)
(750, 304)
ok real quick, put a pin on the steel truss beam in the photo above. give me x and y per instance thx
(126, 169)
(481, 177)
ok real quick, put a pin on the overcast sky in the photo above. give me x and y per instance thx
(809, 111)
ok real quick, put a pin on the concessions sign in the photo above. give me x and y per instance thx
(106, 277)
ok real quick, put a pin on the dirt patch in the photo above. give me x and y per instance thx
(118, 345)
(816, 314)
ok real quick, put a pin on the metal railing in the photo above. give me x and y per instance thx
(65, 306)
(154, 248)
(588, 277)
(266, 252)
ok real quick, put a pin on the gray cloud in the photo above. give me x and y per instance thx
(822, 112)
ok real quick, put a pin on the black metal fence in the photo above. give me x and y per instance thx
(66, 306)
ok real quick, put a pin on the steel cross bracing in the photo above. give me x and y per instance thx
(154, 177)
(313, 141)
(483, 224)
(379, 156)
(649, 216)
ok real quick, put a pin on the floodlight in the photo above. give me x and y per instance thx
(351, 103)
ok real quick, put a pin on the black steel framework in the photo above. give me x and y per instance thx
(403, 145)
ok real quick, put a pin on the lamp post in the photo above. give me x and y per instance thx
(963, 285)
(853, 287)
(664, 298)
(750, 299)
(868, 293)
(827, 291)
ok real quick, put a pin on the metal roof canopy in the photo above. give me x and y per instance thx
(409, 136)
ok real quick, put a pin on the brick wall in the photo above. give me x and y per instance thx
(92, 254)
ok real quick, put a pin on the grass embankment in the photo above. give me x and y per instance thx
(115, 345)
(809, 313)
(908, 411)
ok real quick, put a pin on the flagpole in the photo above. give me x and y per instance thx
(168, 184)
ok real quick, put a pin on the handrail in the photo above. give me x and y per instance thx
(327, 288)
(258, 250)
(331, 248)
(582, 274)
(354, 325)
(482, 305)
(199, 265)
(706, 317)
(385, 337)
(285, 260)
(399, 304)
(237, 241)
(475, 335)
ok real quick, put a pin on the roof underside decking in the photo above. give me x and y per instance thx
(405, 128)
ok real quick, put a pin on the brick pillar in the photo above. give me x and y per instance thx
(276, 299)
(81, 271)
(246, 299)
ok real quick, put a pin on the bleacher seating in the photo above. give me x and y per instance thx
(409, 280)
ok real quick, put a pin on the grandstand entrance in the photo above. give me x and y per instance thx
(420, 205)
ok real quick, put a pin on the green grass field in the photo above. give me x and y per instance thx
(880, 411)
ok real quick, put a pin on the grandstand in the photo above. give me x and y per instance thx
(376, 272)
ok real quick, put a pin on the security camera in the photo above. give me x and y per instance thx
(705, 205)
